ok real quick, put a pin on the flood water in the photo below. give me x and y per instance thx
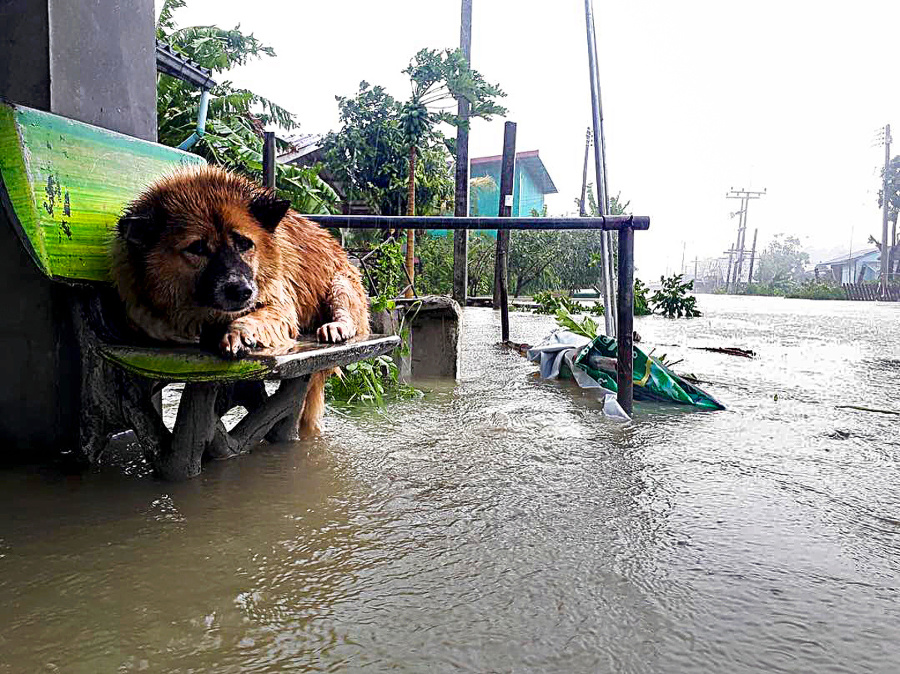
(503, 525)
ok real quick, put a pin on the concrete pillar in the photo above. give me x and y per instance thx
(435, 322)
(90, 60)
(94, 61)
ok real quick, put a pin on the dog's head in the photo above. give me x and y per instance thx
(203, 238)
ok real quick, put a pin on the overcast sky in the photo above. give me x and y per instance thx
(698, 97)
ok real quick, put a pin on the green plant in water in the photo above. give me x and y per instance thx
(550, 303)
(586, 327)
(370, 381)
(673, 300)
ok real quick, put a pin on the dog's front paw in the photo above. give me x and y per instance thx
(338, 331)
(240, 337)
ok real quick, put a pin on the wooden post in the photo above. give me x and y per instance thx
(507, 178)
(625, 328)
(461, 204)
(269, 160)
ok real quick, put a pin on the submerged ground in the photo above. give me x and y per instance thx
(503, 525)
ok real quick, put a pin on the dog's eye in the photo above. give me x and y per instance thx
(199, 248)
(242, 243)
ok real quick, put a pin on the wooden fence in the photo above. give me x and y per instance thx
(870, 292)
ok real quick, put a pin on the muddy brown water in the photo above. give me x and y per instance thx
(503, 525)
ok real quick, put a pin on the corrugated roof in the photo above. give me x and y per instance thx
(302, 144)
(848, 257)
(531, 162)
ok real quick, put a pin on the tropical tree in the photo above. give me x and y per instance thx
(236, 117)
(369, 157)
(782, 261)
(893, 187)
(436, 79)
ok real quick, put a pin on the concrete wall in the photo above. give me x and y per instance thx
(91, 60)
(95, 61)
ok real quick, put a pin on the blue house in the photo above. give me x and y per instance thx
(863, 265)
(530, 185)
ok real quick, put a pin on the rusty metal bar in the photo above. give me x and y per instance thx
(625, 327)
(269, 160)
(507, 180)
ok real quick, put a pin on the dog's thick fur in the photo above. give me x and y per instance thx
(205, 254)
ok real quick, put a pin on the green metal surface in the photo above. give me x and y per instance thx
(67, 183)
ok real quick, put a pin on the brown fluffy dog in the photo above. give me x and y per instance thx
(206, 253)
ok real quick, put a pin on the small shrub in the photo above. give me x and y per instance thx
(673, 301)
(641, 303)
(818, 290)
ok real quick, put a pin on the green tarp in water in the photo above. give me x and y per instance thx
(652, 379)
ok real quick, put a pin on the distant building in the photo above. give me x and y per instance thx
(863, 265)
(306, 149)
(530, 185)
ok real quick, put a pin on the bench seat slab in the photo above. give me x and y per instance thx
(192, 364)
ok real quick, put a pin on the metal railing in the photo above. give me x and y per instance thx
(625, 225)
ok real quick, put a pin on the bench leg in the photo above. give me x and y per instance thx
(280, 410)
(195, 428)
(287, 429)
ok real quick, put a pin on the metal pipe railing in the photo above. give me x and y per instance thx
(608, 223)
(624, 224)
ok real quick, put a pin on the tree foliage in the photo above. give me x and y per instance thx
(368, 155)
(782, 261)
(236, 117)
(893, 185)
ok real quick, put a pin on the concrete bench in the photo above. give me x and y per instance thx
(64, 185)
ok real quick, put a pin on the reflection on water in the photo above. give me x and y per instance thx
(503, 524)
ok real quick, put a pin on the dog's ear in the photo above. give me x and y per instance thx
(269, 209)
(139, 227)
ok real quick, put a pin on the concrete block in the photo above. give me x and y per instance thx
(435, 322)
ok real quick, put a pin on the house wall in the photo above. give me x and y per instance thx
(528, 196)
(865, 268)
(485, 203)
(526, 193)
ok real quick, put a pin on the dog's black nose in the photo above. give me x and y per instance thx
(237, 291)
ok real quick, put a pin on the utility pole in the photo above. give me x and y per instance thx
(730, 252)
(885, 248)
(695, 267)
(739, 250)
(752, 257)
(461, 203)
